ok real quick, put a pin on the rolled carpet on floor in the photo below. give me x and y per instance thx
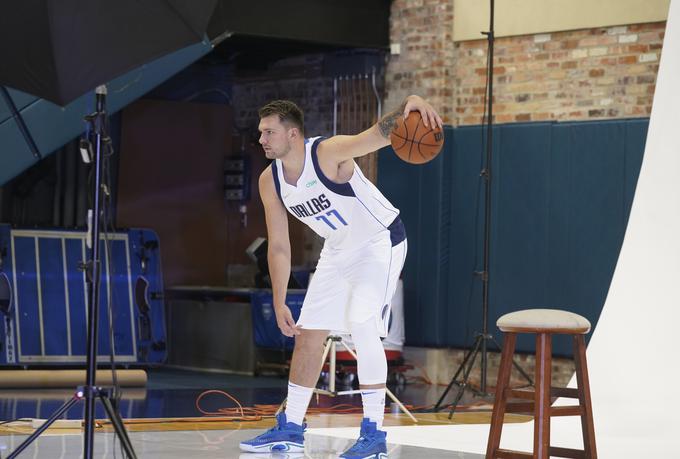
(26, 379)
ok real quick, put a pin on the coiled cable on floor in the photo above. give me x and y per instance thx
(258, 412)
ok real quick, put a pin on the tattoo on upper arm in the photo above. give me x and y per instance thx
(387, 122)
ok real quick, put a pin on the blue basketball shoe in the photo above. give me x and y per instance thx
(370, 445)
(284, 437)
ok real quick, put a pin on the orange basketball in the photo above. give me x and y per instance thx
(414, 142)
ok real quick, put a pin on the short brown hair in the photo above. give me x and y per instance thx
(288, 112)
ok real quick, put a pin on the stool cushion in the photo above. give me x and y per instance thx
(543, 321)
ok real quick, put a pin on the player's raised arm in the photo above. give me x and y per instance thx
(344, 147)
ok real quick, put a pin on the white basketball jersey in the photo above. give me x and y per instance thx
(346, 215)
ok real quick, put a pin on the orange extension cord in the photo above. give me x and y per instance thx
(258, 412)
(239, 413)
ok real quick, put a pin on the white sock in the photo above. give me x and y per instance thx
(297, 402)
(374, 405)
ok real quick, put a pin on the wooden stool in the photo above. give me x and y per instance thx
(544, 323)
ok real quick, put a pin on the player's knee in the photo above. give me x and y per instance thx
(310, 340)
(372, 364)
(366, 338)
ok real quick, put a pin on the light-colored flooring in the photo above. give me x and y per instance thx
(164, 420)
(202, 444)
(199, 438)
(316, 421)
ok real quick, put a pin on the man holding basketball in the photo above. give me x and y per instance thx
(317, 181)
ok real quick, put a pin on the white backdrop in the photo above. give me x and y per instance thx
(633, 356)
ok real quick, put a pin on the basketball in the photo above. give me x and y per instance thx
(414, 142)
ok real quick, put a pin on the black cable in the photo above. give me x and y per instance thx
(112, 300)
(107, 224)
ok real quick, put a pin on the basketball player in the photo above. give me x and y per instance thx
(317, 181)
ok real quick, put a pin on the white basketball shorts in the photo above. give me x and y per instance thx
(354, 285)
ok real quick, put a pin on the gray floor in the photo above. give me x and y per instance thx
(209, 444)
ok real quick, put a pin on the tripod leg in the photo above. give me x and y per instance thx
(523, 373)
(118, 426)
(466, 377)
(437, 407)
(400, 405)
(516, 365)
(57, 414)
(332, 367)
(282, 406)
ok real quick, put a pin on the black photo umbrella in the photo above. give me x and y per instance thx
(61, 49)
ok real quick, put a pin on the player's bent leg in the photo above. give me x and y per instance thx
(371, 369)
(306, 364)
(304, 372)
(372, 372)
(288, 433)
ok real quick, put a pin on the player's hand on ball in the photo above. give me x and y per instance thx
(430, 116)
(285, 321)
(413, 141)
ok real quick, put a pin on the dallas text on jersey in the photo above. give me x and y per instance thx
(311, 207)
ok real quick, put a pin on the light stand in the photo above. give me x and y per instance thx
(480, 345)
(97, 126)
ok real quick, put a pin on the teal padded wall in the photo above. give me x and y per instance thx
(561, 195)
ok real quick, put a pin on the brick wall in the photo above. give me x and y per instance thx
(425, 65)
(575, 75)
(600, 73)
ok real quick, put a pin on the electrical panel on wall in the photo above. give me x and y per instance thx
(237, 178)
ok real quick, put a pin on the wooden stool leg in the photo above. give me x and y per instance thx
(587, 425)
(502, 383)
(542, 396)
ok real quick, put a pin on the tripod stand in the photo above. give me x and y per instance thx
(89, 392)
(481, 339)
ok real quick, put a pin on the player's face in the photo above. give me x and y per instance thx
(274, 137)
